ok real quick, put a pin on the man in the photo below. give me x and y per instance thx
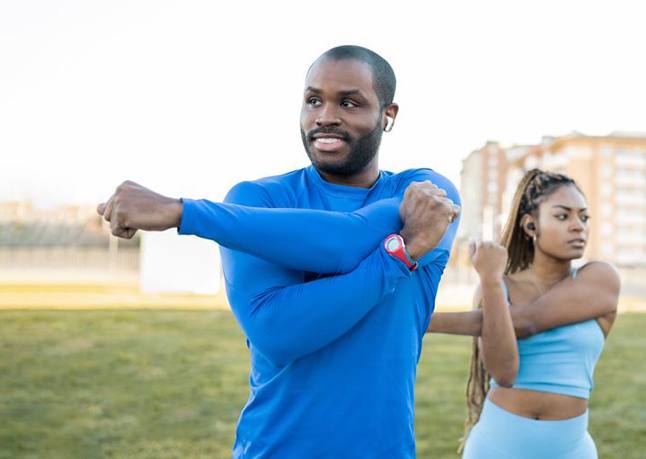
(333, 305)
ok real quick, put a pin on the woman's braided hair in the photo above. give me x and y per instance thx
(535, 186)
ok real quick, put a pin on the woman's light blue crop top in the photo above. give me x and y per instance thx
(560, 360)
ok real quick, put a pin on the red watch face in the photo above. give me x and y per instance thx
(393, 243)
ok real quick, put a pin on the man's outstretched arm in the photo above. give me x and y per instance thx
(318, 241)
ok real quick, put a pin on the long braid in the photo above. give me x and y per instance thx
(535, 186)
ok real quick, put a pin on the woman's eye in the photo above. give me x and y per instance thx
(561, 217)
(585, 218)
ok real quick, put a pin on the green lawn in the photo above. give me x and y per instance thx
(170, 384)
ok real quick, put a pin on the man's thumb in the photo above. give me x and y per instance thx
(100, 208)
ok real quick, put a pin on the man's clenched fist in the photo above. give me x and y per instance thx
(426, 213)
(133, 207)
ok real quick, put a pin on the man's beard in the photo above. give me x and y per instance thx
(362, 151)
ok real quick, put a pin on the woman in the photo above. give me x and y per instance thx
(536, 403)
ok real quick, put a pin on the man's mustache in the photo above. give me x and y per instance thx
(328, 130)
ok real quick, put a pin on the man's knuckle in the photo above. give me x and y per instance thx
(124, 185)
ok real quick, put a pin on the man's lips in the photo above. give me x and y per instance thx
(329, 143)
(319, 135)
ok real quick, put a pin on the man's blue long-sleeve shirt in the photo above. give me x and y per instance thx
(333, 323)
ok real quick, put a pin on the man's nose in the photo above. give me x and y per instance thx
(328, 116)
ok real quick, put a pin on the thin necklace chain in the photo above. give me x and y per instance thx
(540, 290)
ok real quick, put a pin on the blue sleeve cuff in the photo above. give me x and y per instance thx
(187, 223)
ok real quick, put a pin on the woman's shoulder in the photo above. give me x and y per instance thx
(598, 267)
(599, 273)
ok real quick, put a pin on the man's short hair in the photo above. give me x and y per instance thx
(383, 76)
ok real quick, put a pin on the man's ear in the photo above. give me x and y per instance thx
(390, 113)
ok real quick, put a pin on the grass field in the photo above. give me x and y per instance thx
(170, 384)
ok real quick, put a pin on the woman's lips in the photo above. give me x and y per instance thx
(577, 243)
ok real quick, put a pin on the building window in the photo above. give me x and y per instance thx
(606, 229)
(631, 158)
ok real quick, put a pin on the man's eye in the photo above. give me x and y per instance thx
(314, 101)
(348, 104)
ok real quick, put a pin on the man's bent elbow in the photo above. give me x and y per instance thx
(278, 355)
(272, 346)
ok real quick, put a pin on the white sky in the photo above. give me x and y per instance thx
(189, 97)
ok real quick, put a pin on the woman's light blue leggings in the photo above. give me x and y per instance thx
(500, 434)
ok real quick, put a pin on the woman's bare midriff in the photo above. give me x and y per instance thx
(538, 405)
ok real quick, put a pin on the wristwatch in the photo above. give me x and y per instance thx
(394, 245)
